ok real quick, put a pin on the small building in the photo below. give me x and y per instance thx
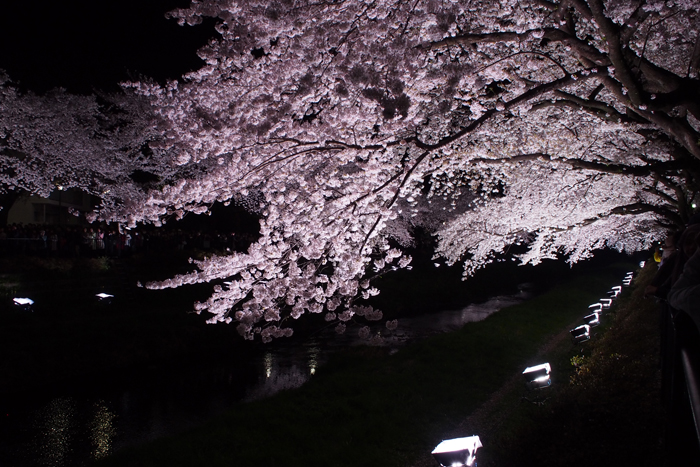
(54, 210)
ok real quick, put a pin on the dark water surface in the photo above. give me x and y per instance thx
(73, 426)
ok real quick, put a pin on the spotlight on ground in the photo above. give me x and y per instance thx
(537, 377)
(596, 307)
(457, 452)
(606, 302)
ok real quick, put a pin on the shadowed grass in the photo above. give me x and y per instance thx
(609, 413)
(366, 407)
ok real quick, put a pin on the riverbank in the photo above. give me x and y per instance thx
(373, 407)
(603, 408)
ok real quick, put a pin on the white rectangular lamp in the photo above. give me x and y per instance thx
(596, 307)
(457, 452)
(592, 320)
(615, 291)
(606, 302)
(581, 333)
(24, 303)
(538, 376)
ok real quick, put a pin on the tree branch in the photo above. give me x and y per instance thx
(611, 32)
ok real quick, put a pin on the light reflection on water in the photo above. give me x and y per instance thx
(55, 430)
(71, 431)
(285, 369)
(65, 429)
(102, 431)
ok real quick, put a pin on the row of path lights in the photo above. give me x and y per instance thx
(582, 332)
(461, 452)
(25, 303)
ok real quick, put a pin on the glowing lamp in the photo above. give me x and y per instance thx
(642, 264)
(627, 282)
(104, 298)
(537, 377)
(592, 320)
(25, 303)
(606, 302)
(596, 307)
(457, 452)
(581, 333)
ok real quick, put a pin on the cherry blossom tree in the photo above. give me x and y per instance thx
(565, 126)
(98, 143)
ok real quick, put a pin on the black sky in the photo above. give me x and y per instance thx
(83, 45)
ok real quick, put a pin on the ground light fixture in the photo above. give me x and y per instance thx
(537, 377)
(606, 302)
(628, 278)
(615, 291)
(642, 264)
(596, 307)
(457, 452)
(592, 320)
(104, 297)
(23, 302)
(581, 333)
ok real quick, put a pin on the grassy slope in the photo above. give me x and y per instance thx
(370, 408)
(609, 413)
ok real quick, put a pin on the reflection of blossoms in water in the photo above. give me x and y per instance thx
(392, 325)
(291, 378)
(377, 339)
(364, 332)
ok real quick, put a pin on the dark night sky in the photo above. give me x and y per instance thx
(85, 44)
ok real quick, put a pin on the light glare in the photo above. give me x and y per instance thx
(23, 301)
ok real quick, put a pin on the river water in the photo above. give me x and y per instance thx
(81, 424)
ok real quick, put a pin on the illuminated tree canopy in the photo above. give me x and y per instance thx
(563, 126)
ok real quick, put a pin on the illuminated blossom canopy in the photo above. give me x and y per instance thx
(564, 126)
(59, 140)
